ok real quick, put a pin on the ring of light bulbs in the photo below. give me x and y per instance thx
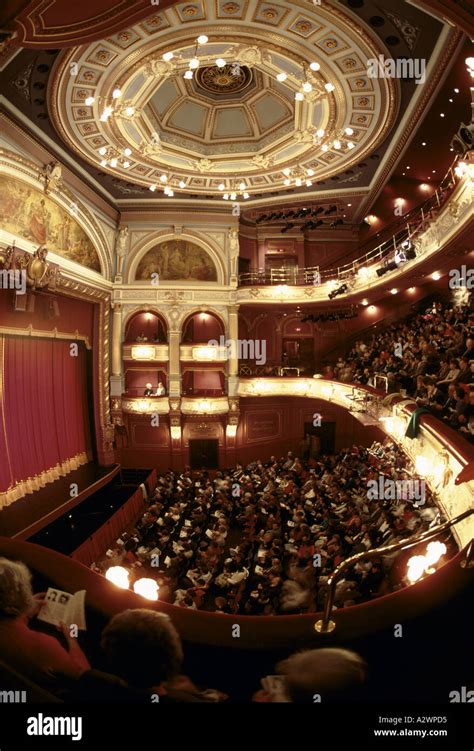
(297, 176)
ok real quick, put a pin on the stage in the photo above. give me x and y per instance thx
(30, 514)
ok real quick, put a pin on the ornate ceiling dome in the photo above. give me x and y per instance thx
(231, 124)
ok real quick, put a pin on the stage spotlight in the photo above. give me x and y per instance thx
(463, 141)
(339, 291)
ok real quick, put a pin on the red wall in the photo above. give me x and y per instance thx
(267, 426)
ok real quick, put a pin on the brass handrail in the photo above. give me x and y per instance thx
(325, 625)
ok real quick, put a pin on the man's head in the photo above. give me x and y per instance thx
(16, 594)
(143, 647)
(333, 674)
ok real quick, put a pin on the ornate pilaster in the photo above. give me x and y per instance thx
(233, 362)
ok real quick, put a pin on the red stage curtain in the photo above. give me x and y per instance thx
(44, 430)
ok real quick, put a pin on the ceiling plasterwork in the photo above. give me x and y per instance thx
(225, 124)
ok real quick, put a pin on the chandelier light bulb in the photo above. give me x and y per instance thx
(194, 63)
(299, 96)
(329, 87)
(309, 183)
(168, 56)
(246, 195)
(103, 151)
(350, 145)
(325, 147)
(349, 132)
(315, 66)
(310, 172)
(103, 162)
(320, 133)
(90, 101)
(221, 186)
(182, 184)
(287, 181)
(126, 164)
(163, 178)
(298, 182)
(242, 186)
(116, 94)
(113, 162)
(337, 144)
(282, 77)
(188, 74)
(225, 196)
(127, 152)
(202, 39)
(307, 87)
(286, 171)
(152, 187)
(220, 62)
(233, 196)
(130, 111)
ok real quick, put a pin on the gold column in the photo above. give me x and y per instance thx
(174, 364)
(233, 362)
(116, 376)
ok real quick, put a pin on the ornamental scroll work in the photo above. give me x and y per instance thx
(21, 269)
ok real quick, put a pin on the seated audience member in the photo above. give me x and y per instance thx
(37, 656)
(141, 337)
(144, 652)
(160, 389)
(323, 675)
(148, 390)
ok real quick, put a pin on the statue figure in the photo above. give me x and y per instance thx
(120, 247)
(51, 176)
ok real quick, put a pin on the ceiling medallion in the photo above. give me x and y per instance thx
(228, 79)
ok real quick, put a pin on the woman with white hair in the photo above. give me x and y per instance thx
(39, 657)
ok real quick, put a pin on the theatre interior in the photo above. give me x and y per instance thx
(237, 351)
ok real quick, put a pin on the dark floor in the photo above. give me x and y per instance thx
(36, 510)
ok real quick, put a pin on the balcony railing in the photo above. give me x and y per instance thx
(294, 276)
(407, 229)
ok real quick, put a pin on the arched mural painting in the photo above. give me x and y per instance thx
(28, 213)
(177, 259)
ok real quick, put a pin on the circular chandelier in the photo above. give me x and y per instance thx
(308, 87)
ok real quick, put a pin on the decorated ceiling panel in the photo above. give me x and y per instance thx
(185, 127)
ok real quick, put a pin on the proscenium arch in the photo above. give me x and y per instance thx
(94, 233)
(211, 248)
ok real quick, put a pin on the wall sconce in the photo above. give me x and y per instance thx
(175, 432)
(231, 431)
